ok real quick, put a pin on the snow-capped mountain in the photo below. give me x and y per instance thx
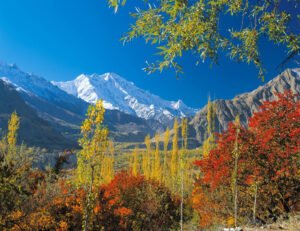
(36, 86)
(65, 112)
(118, 93)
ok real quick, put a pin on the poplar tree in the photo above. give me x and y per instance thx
(94, 143)
(13, 126)
(135, 162)
(174, 156)
(107, 167)
(236, 155)
(157, 167)
(184, 135)
(166, 144)
(147, 162)
(209, 143)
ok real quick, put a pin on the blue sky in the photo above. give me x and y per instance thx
(62, 39)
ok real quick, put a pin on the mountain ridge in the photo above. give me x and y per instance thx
(244, 104)
(65, 112)
(118, 93)
(34, 130)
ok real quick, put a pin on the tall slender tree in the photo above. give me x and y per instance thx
(166, 159)
(184, 135)
(236, 156)
(147, 163)
(209, 143)
(157, 165)
(135, 162)
(174, 157)
(94, 143)
(13, 126)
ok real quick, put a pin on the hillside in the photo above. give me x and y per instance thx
(65, 113)
(34, 131)
(244, 105)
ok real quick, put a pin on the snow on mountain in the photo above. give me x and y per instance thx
(33, 84)
(118, 93)
(65, 112)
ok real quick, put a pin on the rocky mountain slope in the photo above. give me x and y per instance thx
(122, 95)
(244, 105)
(65, 112)
(34, 131)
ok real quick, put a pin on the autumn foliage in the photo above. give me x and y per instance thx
(127, 203)
(248, 175)
(134, 203)
(268, 176)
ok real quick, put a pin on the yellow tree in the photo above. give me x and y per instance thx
(147, 158)
(174, 157)
(94, 143)
(209, 143)
(135, 162)
(157, 167)
(111, 151)
(184, 135)
(166, 144)
(107, 168)
(13, 126)
(236, 156)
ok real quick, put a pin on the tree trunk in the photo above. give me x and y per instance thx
(181, 205)
(87, 215)
(254, 204)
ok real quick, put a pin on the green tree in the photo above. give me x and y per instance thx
(178, 26)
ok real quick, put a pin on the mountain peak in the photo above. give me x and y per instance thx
(118, 93)
(8, 65)
(246, 104)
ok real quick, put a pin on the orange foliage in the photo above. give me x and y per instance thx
(268, 158)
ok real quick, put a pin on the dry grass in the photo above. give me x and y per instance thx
(293, 224)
